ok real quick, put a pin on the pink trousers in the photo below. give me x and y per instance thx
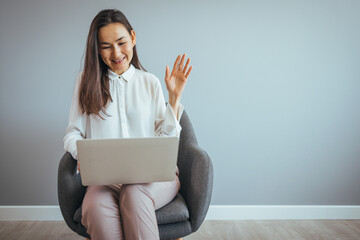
(126, 211)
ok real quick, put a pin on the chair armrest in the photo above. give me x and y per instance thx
(196, 177)
(70, 190)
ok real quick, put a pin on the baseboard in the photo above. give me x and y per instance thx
(30, 213)
(216, 212)
(282, 212)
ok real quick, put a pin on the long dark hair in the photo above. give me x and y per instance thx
(94, 92)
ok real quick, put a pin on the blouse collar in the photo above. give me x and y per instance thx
(126, 75)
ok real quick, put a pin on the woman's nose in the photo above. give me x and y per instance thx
(117, 51)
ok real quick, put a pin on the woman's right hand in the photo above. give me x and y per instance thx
(78, 166)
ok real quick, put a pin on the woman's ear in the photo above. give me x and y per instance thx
(133, 37)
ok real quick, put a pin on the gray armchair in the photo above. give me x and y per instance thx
(177, 219)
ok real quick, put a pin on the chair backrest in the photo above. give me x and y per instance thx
(187, 139)
(195, 173)
(187, 135)
(70, 190)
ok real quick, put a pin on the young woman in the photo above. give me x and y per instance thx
(114, 98)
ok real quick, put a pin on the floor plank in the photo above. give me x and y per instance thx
(227, 230)
(279, 229)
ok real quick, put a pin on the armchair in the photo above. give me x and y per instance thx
(179, 218)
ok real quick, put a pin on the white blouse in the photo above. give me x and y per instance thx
(138, 110)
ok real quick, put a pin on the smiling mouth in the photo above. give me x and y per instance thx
(118, 61)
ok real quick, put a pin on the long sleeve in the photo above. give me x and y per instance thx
(166, 123)
(77, 122)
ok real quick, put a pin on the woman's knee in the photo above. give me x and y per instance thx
(135, 196)
(98, 203)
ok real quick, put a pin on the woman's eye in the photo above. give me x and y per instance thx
(109, 47)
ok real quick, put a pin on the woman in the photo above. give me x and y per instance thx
(114, 98)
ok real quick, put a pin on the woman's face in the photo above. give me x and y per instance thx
(116, 46)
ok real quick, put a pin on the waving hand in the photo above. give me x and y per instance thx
(176, 81)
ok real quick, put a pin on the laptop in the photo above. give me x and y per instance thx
(127, 160)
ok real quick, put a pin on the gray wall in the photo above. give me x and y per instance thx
(274, 95)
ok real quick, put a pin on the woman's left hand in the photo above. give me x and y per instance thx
(176, 81)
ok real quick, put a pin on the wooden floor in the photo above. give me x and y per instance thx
(237, 230)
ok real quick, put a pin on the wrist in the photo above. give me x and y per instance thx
(174, 101)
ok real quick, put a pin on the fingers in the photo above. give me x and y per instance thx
(176, 63)
(186, 65)
(181, 65)
(188, 72)
(167, 73)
